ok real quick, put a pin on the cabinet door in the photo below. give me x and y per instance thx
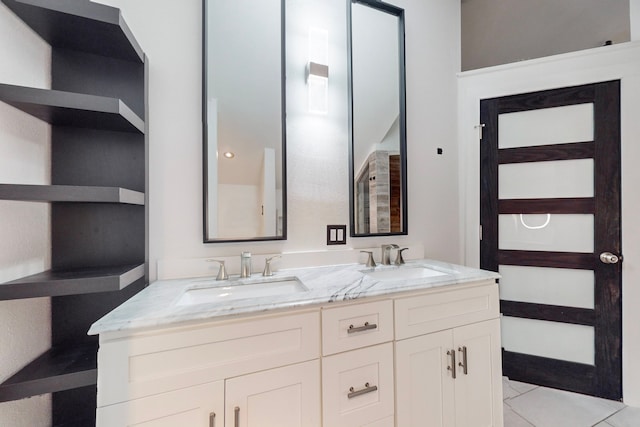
(424, 385)
(479, 390)
(197, 406)
(281, 397)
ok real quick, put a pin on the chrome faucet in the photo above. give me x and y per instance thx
(222, 272)
(267, 265)
(399, 259)
(370, 261)
(386, 253)
(245, 265)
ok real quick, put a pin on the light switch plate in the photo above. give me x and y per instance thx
(336, 234)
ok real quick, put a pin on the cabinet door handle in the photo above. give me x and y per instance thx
(212, 419)
(463, 349)
(367, 389)
(366, 327)
(452, 367)
(236, 417)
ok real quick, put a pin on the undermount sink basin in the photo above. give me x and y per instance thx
(404, 273)
(228, 291)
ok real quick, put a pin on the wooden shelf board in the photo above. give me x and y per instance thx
(70, 193)
(72, 282)
(80, 25)
(55, 370)
(73, 109)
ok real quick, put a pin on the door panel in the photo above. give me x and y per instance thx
(546, 126)
(563, 341)
(197, 406)
(281, 397)
(425, 389)
(546, 232)
(550, 201)
(560, 178)
(560, 286)
(478, 386)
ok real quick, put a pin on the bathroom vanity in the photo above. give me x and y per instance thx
(416, 345)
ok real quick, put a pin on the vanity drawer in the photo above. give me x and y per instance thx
(357, 387)
(355, 326)
(182, 357)
(423, 314)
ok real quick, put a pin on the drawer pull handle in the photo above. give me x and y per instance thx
(212, 419)
(236, 417)
(367, 389)
(367, 327)
(452, 367)
(463, 349)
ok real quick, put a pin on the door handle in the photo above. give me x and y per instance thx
(367, 389)
(463, 364)
(212, 419)
(366, 327)
(609, 258)
(452, 367)
(236, 417)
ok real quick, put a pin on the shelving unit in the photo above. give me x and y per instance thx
(97, 106)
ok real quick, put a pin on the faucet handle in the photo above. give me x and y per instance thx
(399, 259)
(222, 273)
(267, 265)
(370, 261)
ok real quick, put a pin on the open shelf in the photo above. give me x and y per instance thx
(79, 25)
(73, 109)
(55, 370)
(97, 108)
(70, 193)
(72, 282)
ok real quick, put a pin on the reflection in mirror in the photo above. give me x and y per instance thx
(243, 120)
(377, 119)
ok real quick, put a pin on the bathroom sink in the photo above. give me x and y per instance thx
(211, 292)
(404, 273)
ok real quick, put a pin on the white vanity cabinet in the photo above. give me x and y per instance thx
(267, 367)
(448, 369)
(384, 361)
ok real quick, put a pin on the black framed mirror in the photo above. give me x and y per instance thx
(377, 119)
(244, 133)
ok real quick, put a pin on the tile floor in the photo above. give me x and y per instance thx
(527, 405)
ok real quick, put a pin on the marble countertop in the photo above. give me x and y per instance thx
(162, 302)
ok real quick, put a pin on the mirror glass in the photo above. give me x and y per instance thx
(377, 119)
(243, 120)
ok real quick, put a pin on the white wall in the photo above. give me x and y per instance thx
(499, 32)
(601, 64)
(25, 244)
(170, 34)
(634, 12)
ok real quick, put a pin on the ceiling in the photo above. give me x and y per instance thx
(502, 31)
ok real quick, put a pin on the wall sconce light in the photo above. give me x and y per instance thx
(318, 71)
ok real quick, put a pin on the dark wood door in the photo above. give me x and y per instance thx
(550, 206)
